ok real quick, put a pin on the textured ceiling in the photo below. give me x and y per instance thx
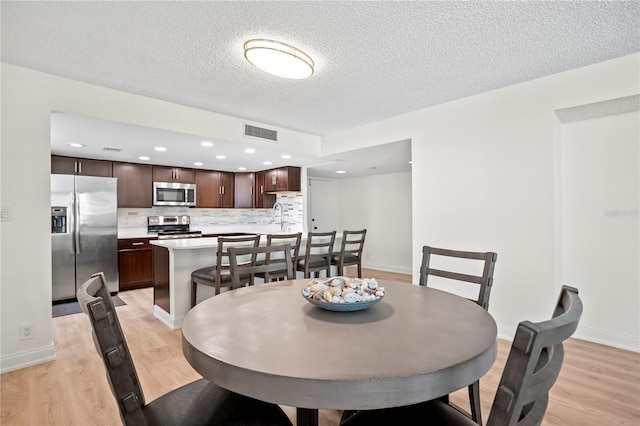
(374, 60)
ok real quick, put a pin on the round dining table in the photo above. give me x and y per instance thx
(267, 342)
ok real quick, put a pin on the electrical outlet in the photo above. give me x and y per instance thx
(26, 331)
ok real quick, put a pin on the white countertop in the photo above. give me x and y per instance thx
(206, 229)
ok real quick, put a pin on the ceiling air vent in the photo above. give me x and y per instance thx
(106, 148)
(260, 132)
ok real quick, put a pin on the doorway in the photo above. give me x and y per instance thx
(323, 205)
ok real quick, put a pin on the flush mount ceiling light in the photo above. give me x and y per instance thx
(278, 58)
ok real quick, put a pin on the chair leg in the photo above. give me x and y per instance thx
(359, 270)
(474, 401)
(194, 287)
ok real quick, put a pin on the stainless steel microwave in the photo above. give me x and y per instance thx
(174, 194)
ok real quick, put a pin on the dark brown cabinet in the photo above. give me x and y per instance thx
(135, 185)
(214, 189)
(135, 263)
(244, 190)
(173, 174)
(283, 179)
(262, 200)
(61, 165)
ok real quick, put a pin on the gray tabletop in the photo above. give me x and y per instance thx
(269, 343)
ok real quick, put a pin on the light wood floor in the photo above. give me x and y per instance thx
(598, 385)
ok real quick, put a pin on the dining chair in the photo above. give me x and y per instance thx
(483, 283)
(350, 251)
(218, 275)
(317, 257)
(198, 402)
(277, 259)
(294, 241)
(532, 367)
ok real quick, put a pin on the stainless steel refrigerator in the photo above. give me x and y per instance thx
(84, 228)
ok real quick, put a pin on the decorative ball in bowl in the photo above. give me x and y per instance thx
(343, 294)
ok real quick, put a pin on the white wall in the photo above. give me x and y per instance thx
(382, 205)
(28, 98)
(600, 247)
(484, 177)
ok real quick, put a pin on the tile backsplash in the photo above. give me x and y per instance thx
(291, 203)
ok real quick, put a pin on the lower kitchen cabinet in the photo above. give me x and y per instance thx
(135, 263)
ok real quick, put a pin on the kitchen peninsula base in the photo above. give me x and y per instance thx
(173, 263)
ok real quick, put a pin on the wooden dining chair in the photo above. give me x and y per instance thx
(350, 251)
(317, 255)
(482, 283)
(276, 260)
(294, 241)
(218, 275)
(533, 365)
(196, 403)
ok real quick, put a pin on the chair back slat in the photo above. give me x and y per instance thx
(484, 281)
(318, 251)
(222, 255)
(534, 363)
(293, 240)
(242, 274)
(95, 301)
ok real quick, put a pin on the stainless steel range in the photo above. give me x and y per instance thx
(171, 227)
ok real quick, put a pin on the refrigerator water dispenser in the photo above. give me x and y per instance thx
(58, 220)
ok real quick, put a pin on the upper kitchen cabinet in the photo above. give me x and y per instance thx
(80, 166)
(244, 190)
(135, 184)
(214, 189)
(173, 174)
(262, 199)
(283, 179)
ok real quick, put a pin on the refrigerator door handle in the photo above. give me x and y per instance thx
(76, 230)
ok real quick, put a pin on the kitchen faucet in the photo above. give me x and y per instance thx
(278, 206)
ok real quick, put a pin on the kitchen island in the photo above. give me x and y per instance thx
(174, 261)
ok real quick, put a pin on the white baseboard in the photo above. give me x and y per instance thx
(603, 337)
(167, 319)
(387, 268)
(27, 358)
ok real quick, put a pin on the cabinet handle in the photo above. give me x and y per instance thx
(222, 187)
(251, 190)
(79, 167)
(75, 167)
(262, 189)
(137, 244)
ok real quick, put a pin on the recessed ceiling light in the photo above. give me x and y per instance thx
(207, 144)
(278, 58)
(410, 162)
(160, 148)
(220, 157)
(242, 168)
(341, 171)
(144, 157)
(249, 150)
(285, 156)
(267, 163)
(197, 163)
(76, 145)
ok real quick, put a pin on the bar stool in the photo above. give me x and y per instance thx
(350, 251)
(218, 275)
(317, 254)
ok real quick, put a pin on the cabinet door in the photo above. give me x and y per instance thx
(135, 187)
(173, 174)
(163, 174)
(184, 175)
(290, 179)
(63, 165)
(88, 167)
(244, 191)
(271, 180)
(227, 189)
(208, 189)
(262, 199)
(135, 263)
